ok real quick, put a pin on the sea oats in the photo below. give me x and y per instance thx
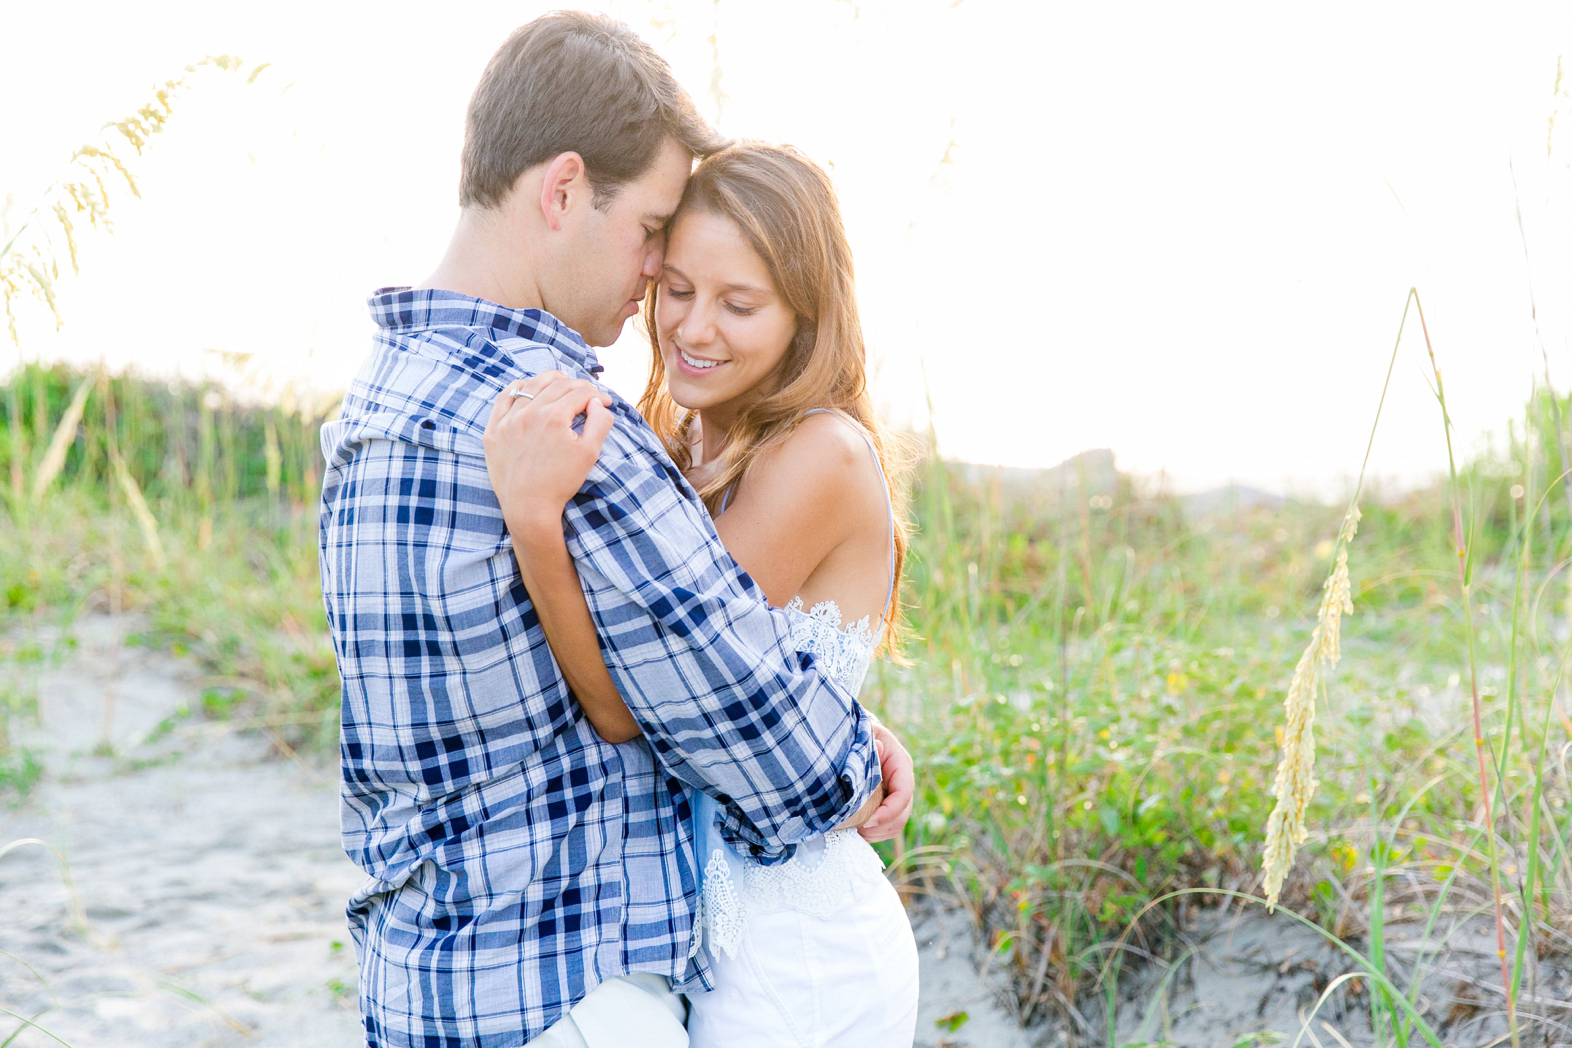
(1295, 782)
(28, 259)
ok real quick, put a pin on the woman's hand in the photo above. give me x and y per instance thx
(900, 788)
(883, 816)
(535, 459)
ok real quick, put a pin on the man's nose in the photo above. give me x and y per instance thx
(654, 258)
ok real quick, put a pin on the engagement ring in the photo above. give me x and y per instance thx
(521, 393)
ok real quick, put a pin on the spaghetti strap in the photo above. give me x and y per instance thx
(889, 507)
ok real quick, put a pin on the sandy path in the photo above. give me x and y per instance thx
(210, 882)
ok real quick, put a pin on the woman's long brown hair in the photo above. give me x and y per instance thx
(787, 208)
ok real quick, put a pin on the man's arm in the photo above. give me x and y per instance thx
(900, 788)
(706, 668)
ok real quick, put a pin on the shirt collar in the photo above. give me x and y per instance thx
(407, 311)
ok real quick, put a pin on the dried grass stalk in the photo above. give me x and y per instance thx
(29, 259)
(1295, 783)
(139, 509)
(64, 437)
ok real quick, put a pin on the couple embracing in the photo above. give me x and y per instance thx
(603, 761)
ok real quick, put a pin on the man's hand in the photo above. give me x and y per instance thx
(900, 788)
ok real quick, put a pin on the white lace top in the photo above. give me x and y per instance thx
(823, 871)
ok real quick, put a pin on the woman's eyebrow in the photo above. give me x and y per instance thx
(674, 271)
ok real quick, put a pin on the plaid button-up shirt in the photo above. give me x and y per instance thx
(516, 860)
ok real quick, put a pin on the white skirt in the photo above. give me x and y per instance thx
(801, 980)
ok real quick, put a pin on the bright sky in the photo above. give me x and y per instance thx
(1184, 232)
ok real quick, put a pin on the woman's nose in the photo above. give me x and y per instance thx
(698, 327)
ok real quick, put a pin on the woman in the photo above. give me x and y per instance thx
(758, 390)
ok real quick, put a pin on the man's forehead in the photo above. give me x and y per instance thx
(662, 185)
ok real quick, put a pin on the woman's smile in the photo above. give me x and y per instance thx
(694, 363)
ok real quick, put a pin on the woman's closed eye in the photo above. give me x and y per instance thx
(681, 294)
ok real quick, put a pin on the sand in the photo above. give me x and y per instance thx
(208, 874)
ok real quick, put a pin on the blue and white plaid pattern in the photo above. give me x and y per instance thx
(516, 860)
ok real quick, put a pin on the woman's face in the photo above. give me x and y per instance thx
(721, 325)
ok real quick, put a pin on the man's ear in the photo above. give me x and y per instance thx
(564, 188)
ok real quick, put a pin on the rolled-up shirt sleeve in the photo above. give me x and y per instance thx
(705, 665)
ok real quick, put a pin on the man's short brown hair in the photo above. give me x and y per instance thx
(573, 81)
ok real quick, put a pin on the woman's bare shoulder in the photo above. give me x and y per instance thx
(825, 457)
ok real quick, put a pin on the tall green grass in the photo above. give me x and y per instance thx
(225, 567)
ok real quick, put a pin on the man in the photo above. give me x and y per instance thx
(519, 866)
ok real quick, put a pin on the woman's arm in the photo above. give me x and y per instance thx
(535, 523)
(554, 588)
(779, 549)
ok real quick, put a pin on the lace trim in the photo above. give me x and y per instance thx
(700, 915)
(843, 653)
(818, 890)
(725, 917)
(830, 612)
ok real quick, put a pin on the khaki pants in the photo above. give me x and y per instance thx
(632, 1011)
